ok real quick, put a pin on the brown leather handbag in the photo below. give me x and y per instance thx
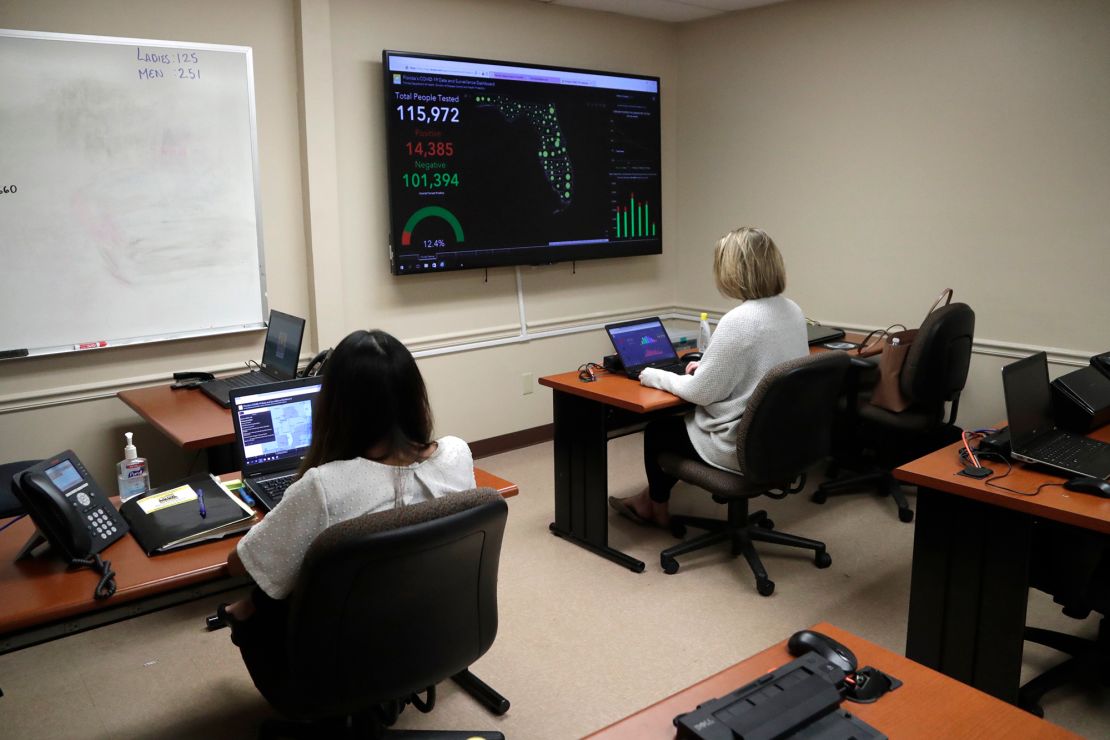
(892, 348)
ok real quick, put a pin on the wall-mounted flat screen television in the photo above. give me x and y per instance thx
(497, 163)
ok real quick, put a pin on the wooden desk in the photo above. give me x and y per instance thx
(586, 416)
(970, 581)
(43, 599)
(927, 705)
(192, 420)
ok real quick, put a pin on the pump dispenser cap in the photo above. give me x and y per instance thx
(704, 316)
(129, 451)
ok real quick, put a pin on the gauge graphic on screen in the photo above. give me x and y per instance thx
(432, 229)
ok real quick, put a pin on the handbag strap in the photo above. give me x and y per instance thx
(945, 295)
(879, 335)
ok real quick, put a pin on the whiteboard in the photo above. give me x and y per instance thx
(129, 207)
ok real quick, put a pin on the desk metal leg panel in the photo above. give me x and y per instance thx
(969, 591)
(581, 483)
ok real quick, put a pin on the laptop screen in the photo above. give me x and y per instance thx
(1028, 399)
(283, 345)
(642, 342)
(273, 423)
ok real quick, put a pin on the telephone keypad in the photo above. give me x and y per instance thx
(102, 524)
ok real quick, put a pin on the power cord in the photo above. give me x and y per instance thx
(587, 371)
(972, 463)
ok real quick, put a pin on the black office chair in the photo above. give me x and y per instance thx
(9, 504)
(784, 431)
(877, 440)
(387, 605)
(1073, 566)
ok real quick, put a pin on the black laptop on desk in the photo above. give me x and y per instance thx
(1033, 434)
(644, 343)
(273, 431)
(279, 359)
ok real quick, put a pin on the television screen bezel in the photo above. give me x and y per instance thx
(497, 259)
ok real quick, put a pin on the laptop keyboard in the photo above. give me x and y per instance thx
(275, 487)
(244, 380)
(678, 368)
(1072, 453)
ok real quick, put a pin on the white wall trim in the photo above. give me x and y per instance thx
(498, 337)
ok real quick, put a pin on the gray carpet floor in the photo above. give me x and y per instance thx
(582, 642)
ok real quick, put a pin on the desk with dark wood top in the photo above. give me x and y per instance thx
(44, 599)
(586, 416)
(927, 705)
(970, 582)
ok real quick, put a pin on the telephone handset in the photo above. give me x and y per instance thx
(68, 507)
(315, 366)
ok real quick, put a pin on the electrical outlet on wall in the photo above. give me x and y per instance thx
(525, 384)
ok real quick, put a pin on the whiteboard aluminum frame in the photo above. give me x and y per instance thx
(248, 54)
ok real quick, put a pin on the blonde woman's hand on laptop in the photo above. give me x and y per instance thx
(691, 367)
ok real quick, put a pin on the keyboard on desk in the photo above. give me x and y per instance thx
(1067, 448)
(271, 489)
(678, 368)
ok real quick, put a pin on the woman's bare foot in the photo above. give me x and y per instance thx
(652, 511)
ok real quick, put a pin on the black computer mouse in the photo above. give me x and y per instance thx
(691, 357)
(1087, 484)
(807, 641)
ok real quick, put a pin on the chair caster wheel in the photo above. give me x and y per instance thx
(822, 559)
(678, 530)
(905, 515)
(819, 497)
(670, 565)
(765, 586)
(765, 523)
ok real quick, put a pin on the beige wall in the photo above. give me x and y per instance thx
(895, 148)
(321, 132)
(891, 148)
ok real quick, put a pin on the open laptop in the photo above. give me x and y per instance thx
(644, 343)
(273, 431)
(279, 359)
(1033, 434)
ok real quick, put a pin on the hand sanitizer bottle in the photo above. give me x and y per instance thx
(131, 472)
(704, 332)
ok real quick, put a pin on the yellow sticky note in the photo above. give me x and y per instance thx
(172, 497)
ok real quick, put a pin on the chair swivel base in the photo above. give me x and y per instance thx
(886, 483)
(741, 530)
(1090, 662)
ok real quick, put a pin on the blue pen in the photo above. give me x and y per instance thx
(200, 499)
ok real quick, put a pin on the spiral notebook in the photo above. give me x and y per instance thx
(169, 517)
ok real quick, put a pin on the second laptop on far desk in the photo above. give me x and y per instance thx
(1034, 436)
(279, 359)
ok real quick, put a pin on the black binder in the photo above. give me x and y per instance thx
(169, 517)
(1081, 400)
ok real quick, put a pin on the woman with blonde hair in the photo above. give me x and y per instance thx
(765, 330)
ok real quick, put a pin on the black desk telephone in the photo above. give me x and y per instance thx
(71, 513)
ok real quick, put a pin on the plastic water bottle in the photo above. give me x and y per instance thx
(705, 334)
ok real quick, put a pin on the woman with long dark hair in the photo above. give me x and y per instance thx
(372, 449)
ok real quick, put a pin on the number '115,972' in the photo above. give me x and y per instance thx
(428, 113)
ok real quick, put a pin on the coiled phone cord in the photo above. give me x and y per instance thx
(106, 587)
